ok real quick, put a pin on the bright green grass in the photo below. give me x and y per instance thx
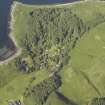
(75, 87)
(7, 73)
(93, 46)
(88, 58)
(90, 48)
(89, 10)
(15, 89)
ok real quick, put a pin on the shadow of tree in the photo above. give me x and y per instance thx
(65, 99)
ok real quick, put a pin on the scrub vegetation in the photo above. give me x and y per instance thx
(62, 59)
(53, 33)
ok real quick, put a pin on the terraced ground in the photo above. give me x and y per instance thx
(74, 72)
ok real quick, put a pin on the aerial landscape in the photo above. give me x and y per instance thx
(52, 52)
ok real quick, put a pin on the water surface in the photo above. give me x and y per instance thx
(47, 1)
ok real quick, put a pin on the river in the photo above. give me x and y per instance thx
(7, 48)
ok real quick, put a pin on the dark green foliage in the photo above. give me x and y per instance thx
(51, 34)
(65, 99)
(21, 64)
(40, 92)
(98, 101)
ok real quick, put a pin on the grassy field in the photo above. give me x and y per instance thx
(14, 90)
(82, 77)
(91, 50)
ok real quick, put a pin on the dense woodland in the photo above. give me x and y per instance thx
(53, 33)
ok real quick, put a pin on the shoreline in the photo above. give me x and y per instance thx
(51, 5)
(18, 50)
(56, 5)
